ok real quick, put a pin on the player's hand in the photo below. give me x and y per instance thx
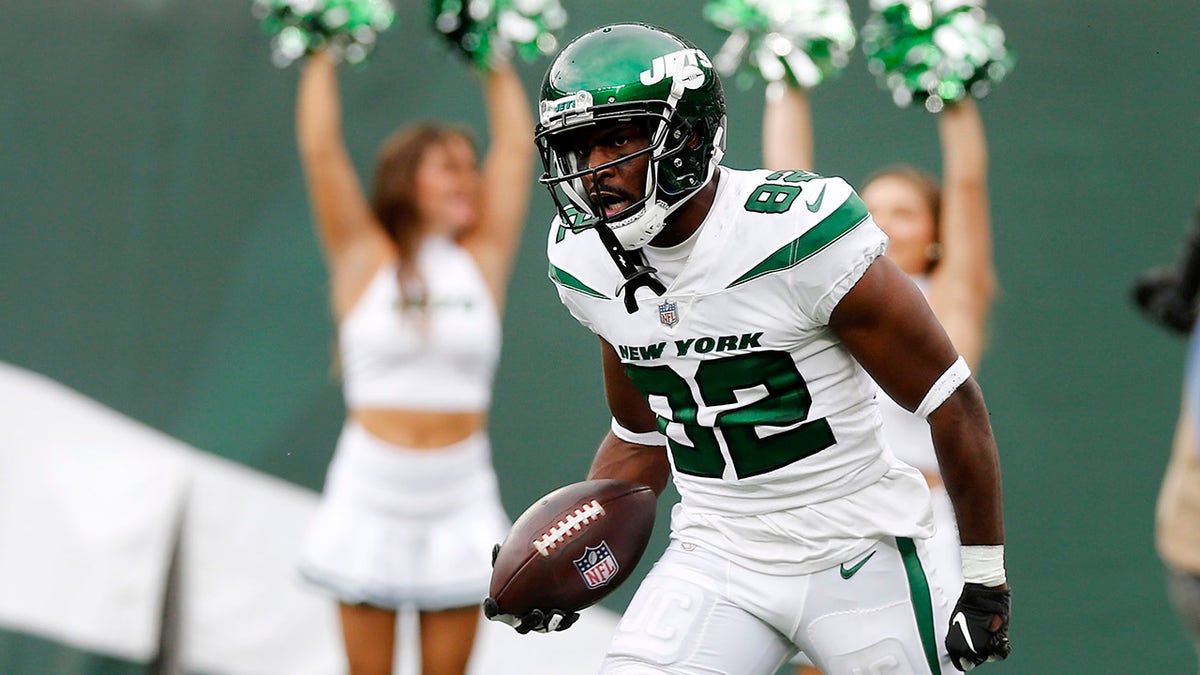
(535, 621)
(538, 621)
(979, 626)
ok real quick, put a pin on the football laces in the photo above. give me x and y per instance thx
(568, 526)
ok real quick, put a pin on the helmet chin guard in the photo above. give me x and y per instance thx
(638, 229)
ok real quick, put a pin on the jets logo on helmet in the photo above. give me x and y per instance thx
(681, 65)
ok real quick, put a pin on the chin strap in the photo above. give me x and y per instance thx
(633, 268)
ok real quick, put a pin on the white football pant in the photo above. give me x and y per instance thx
(881, 613)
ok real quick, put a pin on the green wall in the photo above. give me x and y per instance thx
(156, 253)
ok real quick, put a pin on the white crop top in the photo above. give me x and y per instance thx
(388, 361)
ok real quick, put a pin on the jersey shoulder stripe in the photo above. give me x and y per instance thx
(848, 215)
(565, 280)
(578, 261)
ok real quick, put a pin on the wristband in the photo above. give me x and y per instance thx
(983, 565)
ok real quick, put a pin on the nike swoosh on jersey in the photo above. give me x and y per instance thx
(851, 571)
(815, 205)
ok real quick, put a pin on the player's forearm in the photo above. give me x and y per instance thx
(645, 464)
(966, 450)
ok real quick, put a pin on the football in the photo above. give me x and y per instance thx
(573, 547)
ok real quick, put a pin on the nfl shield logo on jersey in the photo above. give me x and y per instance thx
(597, 566)
(667, 314)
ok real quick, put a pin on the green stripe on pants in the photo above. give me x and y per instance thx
(918, 588)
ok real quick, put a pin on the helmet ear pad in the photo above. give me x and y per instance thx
(679, 172)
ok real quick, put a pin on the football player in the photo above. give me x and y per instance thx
(742, 316)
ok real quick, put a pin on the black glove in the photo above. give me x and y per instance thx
(979, 626)
(540, 621)
(536, 621)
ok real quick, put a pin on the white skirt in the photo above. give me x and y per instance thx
(400, 528)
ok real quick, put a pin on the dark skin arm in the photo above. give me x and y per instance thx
(645, 464)
(887, 326)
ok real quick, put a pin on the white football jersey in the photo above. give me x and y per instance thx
(772, 425)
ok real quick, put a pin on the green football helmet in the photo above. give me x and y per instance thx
(641, 73)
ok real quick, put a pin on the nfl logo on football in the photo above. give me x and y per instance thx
(597, 566)
(667, 314)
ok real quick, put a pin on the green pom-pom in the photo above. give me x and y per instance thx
(935, 53)
(804, 42)
(488, 32)
(348, 28)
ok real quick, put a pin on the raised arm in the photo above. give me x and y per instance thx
(963, 284)
(507, 178)
(787, 135)
(353, 244)
(617, 458)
